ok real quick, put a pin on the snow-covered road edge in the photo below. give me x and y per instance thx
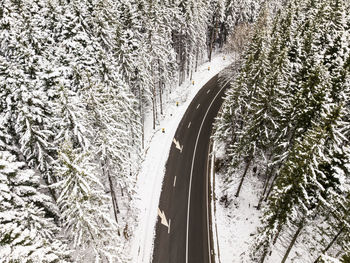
(216, 245)
(236, 217)
(150, 179)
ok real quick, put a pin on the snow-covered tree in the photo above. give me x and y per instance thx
(85, 208)
(289, 109)
(27, 85)
(27, 233)
(238, 101)
(71, 120)
(313, 176)
(237, 13)
(188, 35)
(115, 125)
(314, 136)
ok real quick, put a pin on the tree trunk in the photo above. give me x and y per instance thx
(274, 175)
(243, 176)
(263, 256)
(160, 98)
(114, 199)
(160, 89)
(188, 66)
(184, 61)
(197, 57)
(179, 76)
(213, 39)
(279, 229)
(111, 187)
(262, 259)
(154, 113)
(271, 186)
(266, 183)
(154, 106)
(52, 191)
(331, 243)
(300, 227)
(181, 62)
(141, 115)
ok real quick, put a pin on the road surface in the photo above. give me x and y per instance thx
(182, 230)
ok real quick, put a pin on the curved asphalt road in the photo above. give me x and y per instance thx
(185, 193)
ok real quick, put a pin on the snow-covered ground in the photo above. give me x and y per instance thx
(236, 219)
(157, 146)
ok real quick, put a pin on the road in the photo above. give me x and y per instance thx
(184, 236)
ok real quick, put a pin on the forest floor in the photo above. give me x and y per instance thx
(235, 218)
(157, 147)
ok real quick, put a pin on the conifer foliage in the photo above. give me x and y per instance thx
(27, 233)
(76, 78)
(288, 111)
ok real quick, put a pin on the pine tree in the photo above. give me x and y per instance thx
(188, 40)
(309, 180)
(239, 101)
(27, 90)
(115, 143)
(161, 55)
(332, 235)
(71, 120)
(289, 108)
(217, 8)
(27, 233)
(240, 12)
(85, 208)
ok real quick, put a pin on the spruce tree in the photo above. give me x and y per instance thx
(85, 208)
(27, 232)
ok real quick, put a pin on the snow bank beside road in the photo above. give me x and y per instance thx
(157, 147)
(236, 218)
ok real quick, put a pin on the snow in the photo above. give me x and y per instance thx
(157, 147)
(237, 221)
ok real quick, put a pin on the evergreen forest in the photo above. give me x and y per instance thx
(287, 115)
(76, 80)
(78, 77)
